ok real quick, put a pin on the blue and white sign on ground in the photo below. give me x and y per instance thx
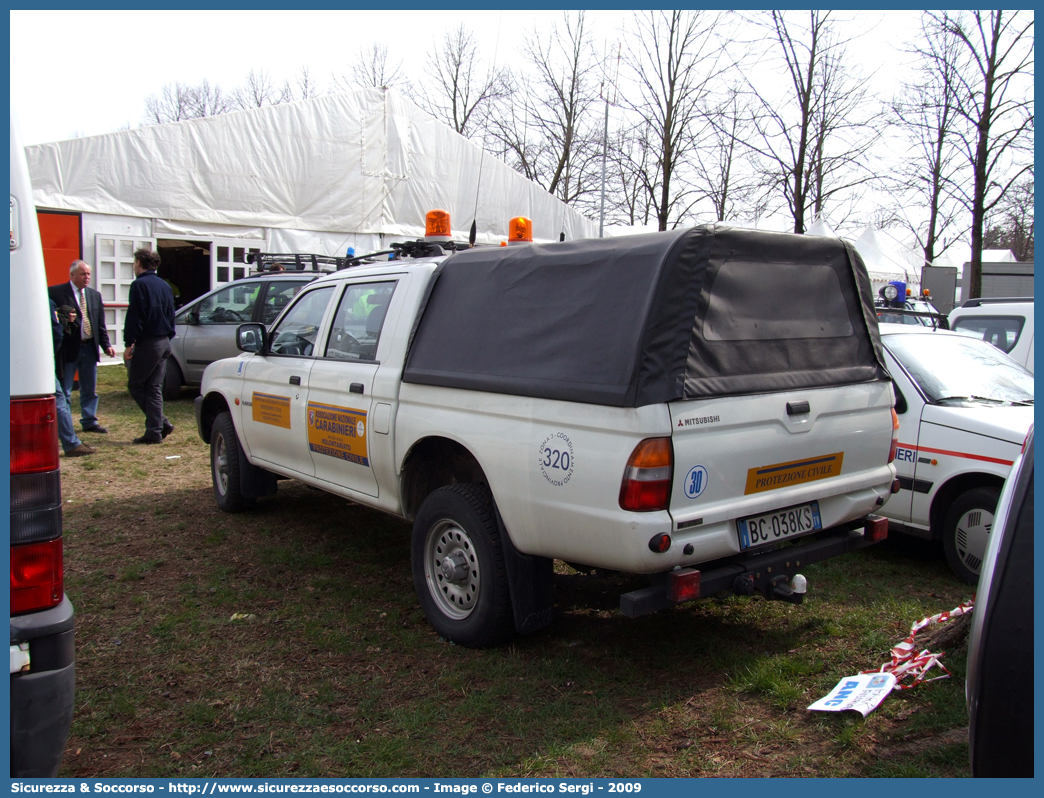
(862, 693)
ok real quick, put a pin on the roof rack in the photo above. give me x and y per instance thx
(420, 248)
(938, 320)
(300, 262)
(993, 300)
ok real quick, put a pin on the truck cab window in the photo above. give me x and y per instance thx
(296, 333)
(356, 328)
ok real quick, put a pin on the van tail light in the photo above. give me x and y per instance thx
(34, 435)
(895, 436)
(646, 483)
(37, 582)
(36, 576)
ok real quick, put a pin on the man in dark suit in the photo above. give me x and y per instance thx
(147, 330)
(79, 350)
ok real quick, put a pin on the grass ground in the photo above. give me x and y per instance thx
(288, 641)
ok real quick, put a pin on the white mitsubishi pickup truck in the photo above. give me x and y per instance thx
(680, 404)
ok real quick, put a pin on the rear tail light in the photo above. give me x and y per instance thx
(36, 506)
(895, 436)
(646, 483)
(875, 529)
(36, 576)
(684, 585)
(34, 435)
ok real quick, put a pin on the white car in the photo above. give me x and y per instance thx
(964, 409)
(1007, 323)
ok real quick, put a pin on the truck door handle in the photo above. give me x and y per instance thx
(297, 381)
(356, 387)
(797, 408)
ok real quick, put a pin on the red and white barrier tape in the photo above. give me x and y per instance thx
(907, 661)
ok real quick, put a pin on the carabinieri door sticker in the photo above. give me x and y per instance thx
(269, 409)
(338, 432)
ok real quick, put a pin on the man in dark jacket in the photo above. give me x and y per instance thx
(147, 330)
(79, 352)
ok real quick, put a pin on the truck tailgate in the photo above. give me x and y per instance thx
(741, 456)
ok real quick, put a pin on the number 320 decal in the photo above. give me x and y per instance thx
(556, 459)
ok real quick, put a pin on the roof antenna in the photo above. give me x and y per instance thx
(561, 236)
(474, 232)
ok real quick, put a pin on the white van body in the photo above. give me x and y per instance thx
(1008, 325)
(43, 680)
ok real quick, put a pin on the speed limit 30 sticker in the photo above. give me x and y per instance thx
(556, 459)
(696, 481)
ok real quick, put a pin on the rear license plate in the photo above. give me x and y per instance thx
(780, 525)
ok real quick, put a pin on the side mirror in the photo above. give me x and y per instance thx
(192, 317)
(251, 337)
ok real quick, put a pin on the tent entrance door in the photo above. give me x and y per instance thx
(113, 275)
(228, 259)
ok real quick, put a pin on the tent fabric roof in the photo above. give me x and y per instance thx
(363, 162)
(883, 260)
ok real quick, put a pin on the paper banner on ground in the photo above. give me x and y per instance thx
(862, 693)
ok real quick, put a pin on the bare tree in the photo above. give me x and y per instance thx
(722, 164)
(550, 136)
(674, 58)
(260, 90)
(211, 101)
(814, 142)
(1011, 224)
(306, 88)
(464, 93)
(180, 101)
(925, 115)
(995, 100)
(174, 103)
(371, 69)
(629, 201)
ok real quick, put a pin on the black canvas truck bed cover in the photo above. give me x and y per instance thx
(662, 317)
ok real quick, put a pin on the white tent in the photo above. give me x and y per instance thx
(315, 175)
(887, 260)
(821, 227)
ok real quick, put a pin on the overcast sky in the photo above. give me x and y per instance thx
(89, 72)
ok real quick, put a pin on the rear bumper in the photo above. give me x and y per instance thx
(748, 573)
(42, 698)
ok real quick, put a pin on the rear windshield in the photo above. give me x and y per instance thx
(746, 303)
(1001, 331)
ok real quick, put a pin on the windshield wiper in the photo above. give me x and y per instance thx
(990, 399)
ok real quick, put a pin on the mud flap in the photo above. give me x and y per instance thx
(530, 582)
(254, 482)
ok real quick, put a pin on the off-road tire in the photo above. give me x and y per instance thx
(966, 531)
(172, 381)
(224, 466)
(466, 598)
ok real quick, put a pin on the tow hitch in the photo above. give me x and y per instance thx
(789, 590)
(770, 573)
